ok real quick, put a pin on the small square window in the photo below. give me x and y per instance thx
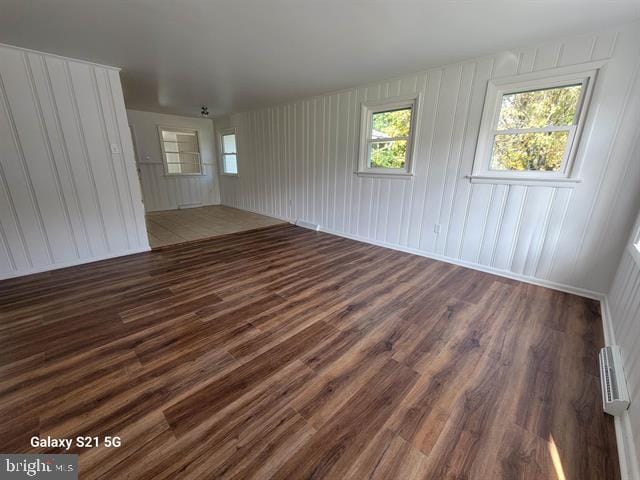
(229, 152)
(531, 126)
(181, 151)
(386, 143)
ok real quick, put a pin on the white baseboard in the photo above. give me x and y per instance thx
(252, 210)
(474, 266)
(183, 207)
(626, 448)
(73, 263)
(607, 322)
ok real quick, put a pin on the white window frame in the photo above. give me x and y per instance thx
(584, 74)
(367, 111)
(221, 134)
(165, 163)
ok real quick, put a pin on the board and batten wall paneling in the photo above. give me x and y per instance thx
(69, 191)
(297, 161)
(170, 192)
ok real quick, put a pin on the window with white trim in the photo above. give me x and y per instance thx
(180, 151)
(387, 137)
(229, 152)
(531, 127)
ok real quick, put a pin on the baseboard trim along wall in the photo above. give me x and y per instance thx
(80, 261)
(475, 266)
(626, 447)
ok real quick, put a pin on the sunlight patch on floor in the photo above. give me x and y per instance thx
(555, 458)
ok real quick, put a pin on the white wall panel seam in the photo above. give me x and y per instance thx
(12, 206)
(50, 156)
(85, 156)
(109, 154)
(122, 156)
(67, 157)
(603, 174)
(25, 173)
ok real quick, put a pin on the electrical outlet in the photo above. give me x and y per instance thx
(115, 148)
(436, 228)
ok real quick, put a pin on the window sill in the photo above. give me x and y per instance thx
(536, 182)
(230, 174)
(400, 176)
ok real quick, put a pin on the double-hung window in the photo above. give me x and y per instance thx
(229, 152)
(387, 137)
(531, 127)
(180, 151)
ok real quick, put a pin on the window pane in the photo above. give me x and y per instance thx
(175, 147)
(388, 154)
(174, 168)
(182, 158)
(230, 164)
(529, 151)
(167, 135)
(182, 152)
(539, 108)
(171, 147)
(389, 124)
(190, 168)
(229, 143)
(187, 143)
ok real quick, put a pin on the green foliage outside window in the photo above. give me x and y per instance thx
(537, 109)
(385, 125)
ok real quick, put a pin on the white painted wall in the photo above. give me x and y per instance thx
(297, 160)
(68, 187)
(164, 192)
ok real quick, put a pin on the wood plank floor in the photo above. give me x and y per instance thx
(178, 226)
(285, 353)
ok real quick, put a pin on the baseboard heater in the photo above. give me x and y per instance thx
(615, 396)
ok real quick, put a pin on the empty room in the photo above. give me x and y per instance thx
(295, 239)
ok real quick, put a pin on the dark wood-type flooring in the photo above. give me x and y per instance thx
(285, 353)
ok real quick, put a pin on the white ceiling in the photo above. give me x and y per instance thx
(238, 54)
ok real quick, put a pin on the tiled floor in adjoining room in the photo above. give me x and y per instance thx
(177, 226)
